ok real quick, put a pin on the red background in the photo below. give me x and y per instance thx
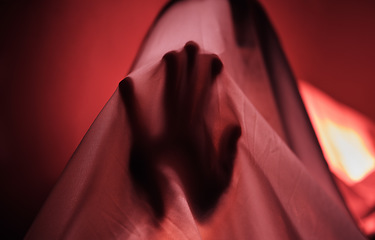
(61, 61)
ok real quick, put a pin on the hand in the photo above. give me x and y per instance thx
(185, 142)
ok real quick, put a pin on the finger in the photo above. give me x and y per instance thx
(190, 60)
(171, 82)
(216, 67)
(126, 88)
(210, 67)
(228, 150)
(191, 49)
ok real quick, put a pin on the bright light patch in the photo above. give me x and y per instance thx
(344, 135)
(347, 150)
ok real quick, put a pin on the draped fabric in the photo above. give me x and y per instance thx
(206, 138)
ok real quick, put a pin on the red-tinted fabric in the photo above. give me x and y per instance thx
(196, 143)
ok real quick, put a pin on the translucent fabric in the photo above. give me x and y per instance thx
(206, 138)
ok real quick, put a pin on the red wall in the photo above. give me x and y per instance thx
(60, 63)
(331, 44)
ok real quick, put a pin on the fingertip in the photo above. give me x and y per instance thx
(170, 57)
(126, 86)
(216, 66)
(191, 48)
(236, 132)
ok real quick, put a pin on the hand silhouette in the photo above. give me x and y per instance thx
(185, 142)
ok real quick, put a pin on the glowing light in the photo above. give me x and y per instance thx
(346, 150)
(344, 135)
